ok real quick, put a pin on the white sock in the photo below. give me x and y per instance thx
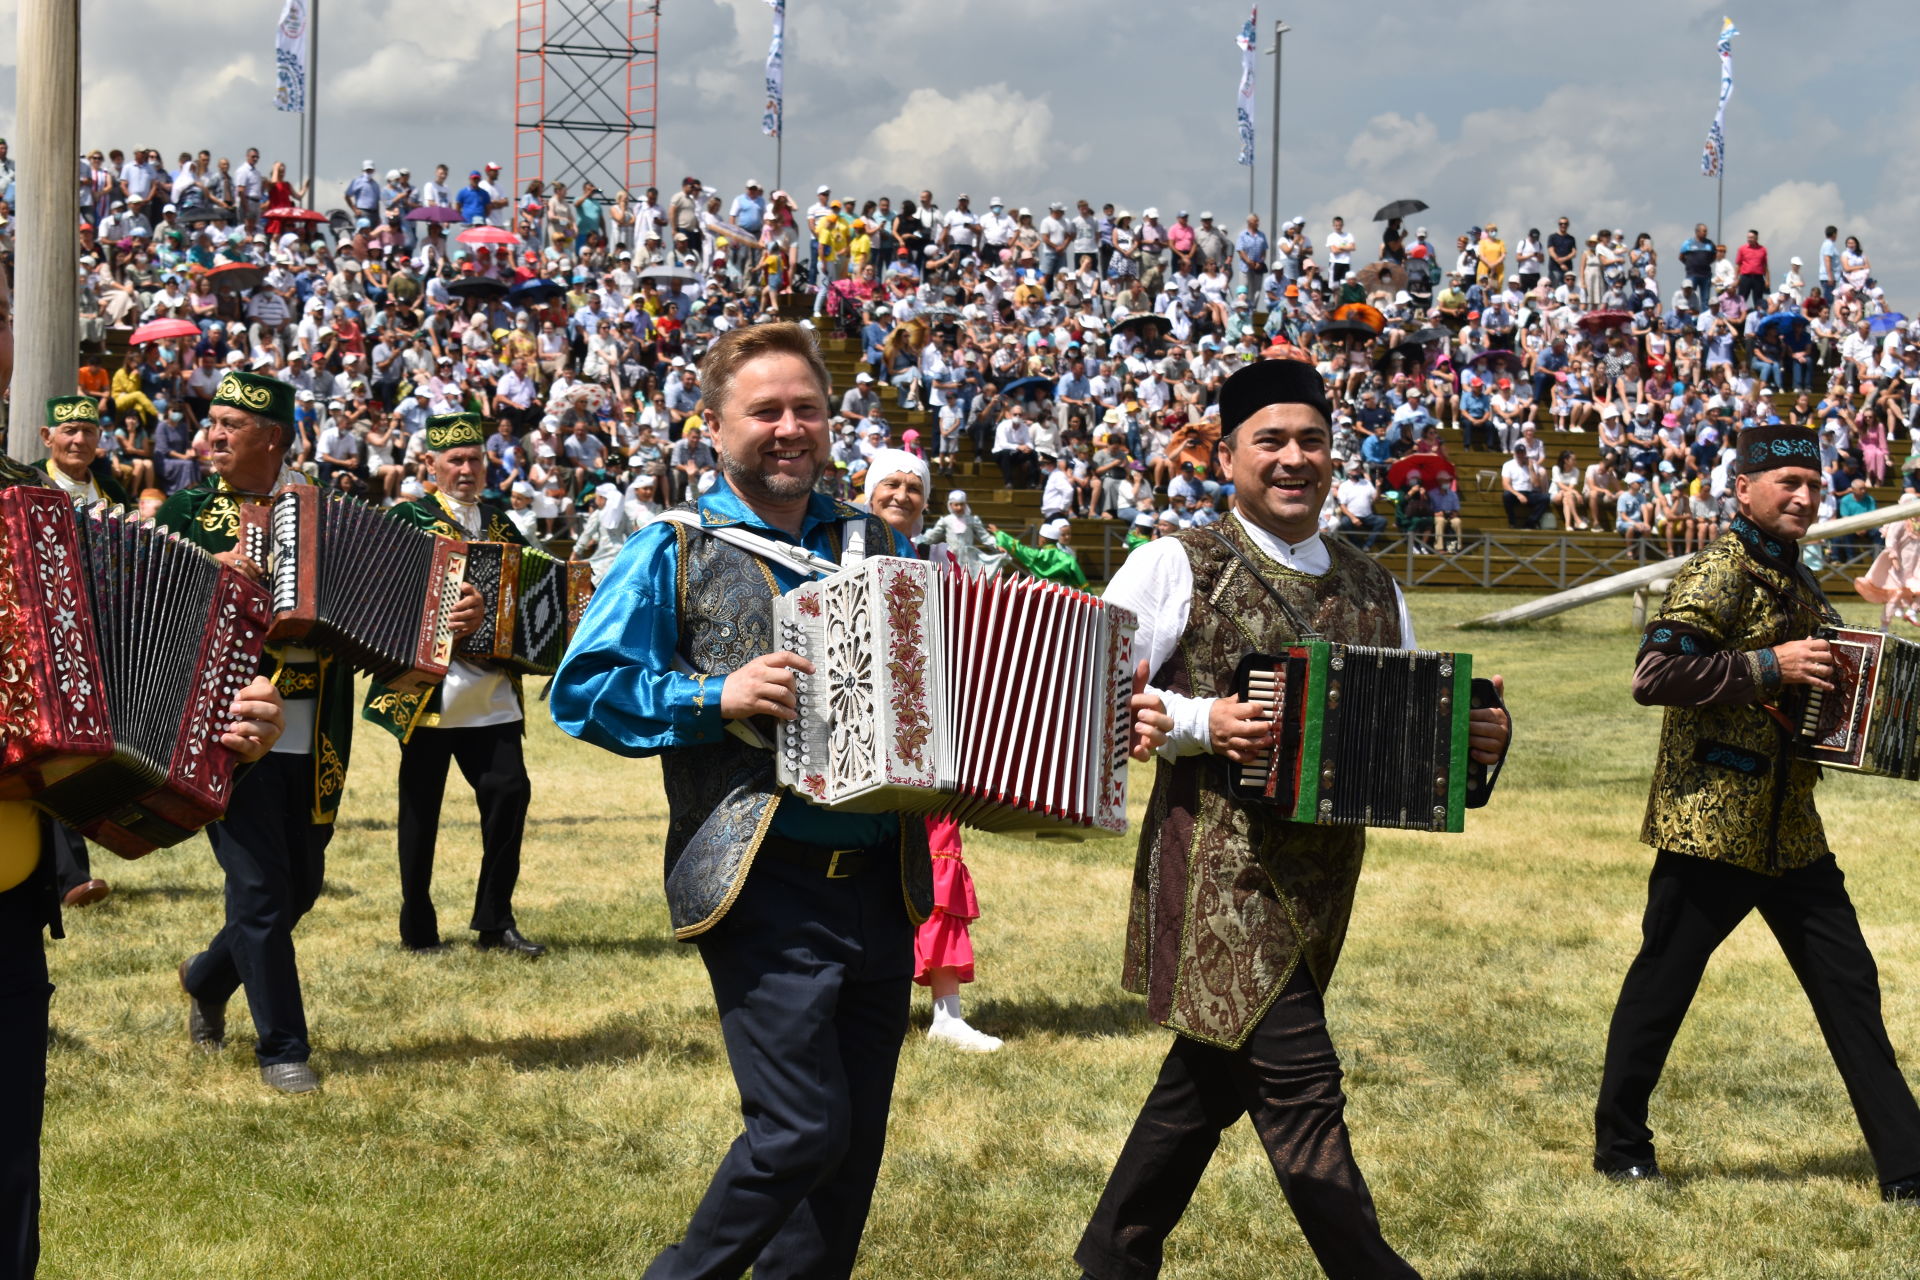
(946, 1009)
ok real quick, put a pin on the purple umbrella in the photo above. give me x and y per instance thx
(435, 213)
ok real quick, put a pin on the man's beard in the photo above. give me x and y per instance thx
(750, 482)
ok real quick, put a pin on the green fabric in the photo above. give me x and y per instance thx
(65, 409)
(110, 490)
(454, 430)
(257, 394)
(208, 515)
(1054, 563)
(1763, 821)
(401, 713)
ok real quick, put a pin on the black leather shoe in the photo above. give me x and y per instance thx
(206, 1021)
(1902, 1191)
(508, 940)
(1648, 1172)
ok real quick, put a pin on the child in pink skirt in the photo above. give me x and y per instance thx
(942, 951)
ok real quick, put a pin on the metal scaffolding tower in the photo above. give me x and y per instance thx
(586, 93)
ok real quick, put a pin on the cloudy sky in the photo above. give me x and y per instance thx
(1507, 109)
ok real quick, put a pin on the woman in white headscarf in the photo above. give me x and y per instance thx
(961, 537)
(942, 948)
(608, 526)
(896, 489)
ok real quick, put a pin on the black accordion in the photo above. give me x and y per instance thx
(532, 602)
(1365, 737)
(122, 647)
(348, 578)
(1870, 721)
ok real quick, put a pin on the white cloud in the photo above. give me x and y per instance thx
(985, 136)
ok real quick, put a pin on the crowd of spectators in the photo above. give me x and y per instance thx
(1080, 350)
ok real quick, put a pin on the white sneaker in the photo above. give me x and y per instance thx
(956, 1034)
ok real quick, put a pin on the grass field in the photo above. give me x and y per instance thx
(485, 1117)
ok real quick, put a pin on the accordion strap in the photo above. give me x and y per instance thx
(790, 554)
(1301, 630)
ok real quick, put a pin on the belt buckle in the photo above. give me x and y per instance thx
(833, 865)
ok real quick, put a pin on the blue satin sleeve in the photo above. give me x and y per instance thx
(616, 687)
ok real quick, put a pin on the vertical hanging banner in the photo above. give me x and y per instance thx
(1247, 42)
(1714, 156)
(290, 57)
(776, 75)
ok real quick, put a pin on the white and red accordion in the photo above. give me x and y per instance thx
(1002, 702)
(122, 648)
(349, 578)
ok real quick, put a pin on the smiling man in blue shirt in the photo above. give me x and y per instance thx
(804, 917)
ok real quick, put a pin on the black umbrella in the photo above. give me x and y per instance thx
(202, 213)
(1424, 336)
(1493, 361)
(1020, 385)
(478, 287)
(1145, 325)
(536, 290)
(1346, 329)
(1398, 209)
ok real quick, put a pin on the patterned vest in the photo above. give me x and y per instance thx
(1725, 786)
(721, 796)
(1227, 897)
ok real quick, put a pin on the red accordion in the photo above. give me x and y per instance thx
(122, 648)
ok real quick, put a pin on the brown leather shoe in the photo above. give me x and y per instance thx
(85, 895)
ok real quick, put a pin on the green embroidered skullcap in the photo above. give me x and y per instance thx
(257, 394)
(454, 430)
(65, 409)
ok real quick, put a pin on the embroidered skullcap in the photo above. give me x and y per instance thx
(257, 394)
(454, 430)
(1253, 387)
(64, 409)
(1768, 448)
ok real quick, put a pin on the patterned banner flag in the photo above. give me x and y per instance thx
(776, 73)
(1247, 41)
(1713, 157)
(290, 57)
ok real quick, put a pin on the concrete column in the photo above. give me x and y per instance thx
(47, 146)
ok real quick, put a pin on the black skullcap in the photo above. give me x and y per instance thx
(1254, 386)
(1777, 445)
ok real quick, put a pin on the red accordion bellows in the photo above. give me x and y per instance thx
(121, 650)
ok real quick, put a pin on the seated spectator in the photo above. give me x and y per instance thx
(1603, 489)
(1444, 498)
(1630, 515)
(1356, 496)
(1523, 490)
(1564, 494)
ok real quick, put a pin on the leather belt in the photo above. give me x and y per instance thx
(834, 864)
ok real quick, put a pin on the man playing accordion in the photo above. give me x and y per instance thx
(1732, 819)
(1238, 915)
(804, 917)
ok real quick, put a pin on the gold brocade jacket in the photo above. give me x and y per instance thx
(1726, 785)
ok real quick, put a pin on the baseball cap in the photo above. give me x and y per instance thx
(1206, 215)
(864, 377)
(822, 189)
(367, 166)
(753, 182)
(493, 166)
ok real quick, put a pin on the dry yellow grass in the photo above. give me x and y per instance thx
(488, 1117)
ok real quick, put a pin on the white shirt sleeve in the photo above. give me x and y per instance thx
(1156, 583)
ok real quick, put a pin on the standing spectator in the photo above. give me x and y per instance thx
(1696, 259)
(1829, 262)
(1561, 248)
(683, 216)
(749, 213)
(1523, 490)
(1250, 253)
(1750, 265)
(1211, 244)
(363, 195)
(1492, 255)
(1339, 247)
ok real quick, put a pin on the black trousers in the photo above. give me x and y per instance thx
(275, 857)
(811, 977)
(24, 997)
(1287, 1079)
(1692, 905)
(490, 760)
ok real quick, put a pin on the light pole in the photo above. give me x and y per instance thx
(1273, 189)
